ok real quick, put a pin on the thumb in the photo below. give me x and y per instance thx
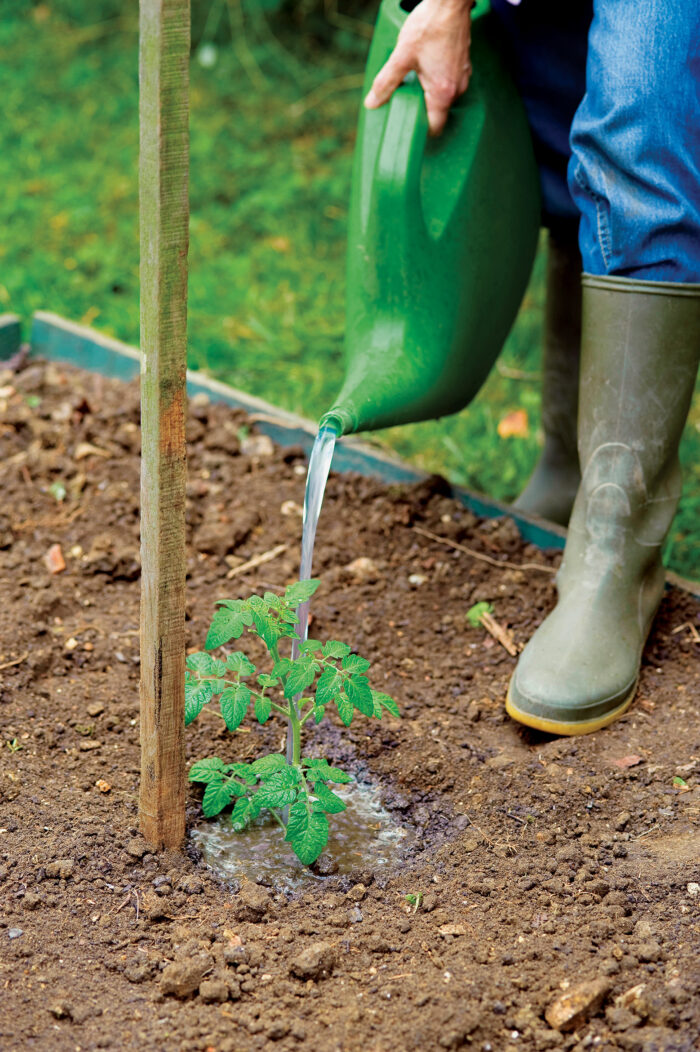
(388, 79)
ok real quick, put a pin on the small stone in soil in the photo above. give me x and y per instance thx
(61, 1010)
(60, 868)
(182, 978)
(14, 933)
(213, 991)
(578, 1004)
(251, 902)
(137, 847)
(315, 962)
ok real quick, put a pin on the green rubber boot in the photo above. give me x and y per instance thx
(552, 488)
(639, 358)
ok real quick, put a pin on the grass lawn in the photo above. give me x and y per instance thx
(272, 138)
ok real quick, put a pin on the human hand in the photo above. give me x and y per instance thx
(434, 41)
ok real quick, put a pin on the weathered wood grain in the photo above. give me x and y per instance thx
(164, 162)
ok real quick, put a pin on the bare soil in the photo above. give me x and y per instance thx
(542, 863)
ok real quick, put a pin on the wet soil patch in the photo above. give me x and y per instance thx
(556, 880)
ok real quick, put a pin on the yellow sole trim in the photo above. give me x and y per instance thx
(540, 723)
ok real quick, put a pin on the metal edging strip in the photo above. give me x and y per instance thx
(59, 340)
(10, 336)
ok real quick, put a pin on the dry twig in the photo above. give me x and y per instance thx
(502, 635)
(257, 560)
(505, 565)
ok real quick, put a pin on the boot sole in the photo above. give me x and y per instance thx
(566, 727)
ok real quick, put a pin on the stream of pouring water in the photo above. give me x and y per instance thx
(316, 479)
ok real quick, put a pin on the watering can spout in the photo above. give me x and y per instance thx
(442, 235)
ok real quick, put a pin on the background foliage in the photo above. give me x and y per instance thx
(275, 91)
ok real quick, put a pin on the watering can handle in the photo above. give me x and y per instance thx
(400, 156)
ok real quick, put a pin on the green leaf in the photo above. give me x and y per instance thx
(277, 791)
(300, 592)
(383, 701)
(196, 697)
(267, 765)
(263, 708)
(217, 796)
(355, 663)
(245, 771)
(200, 662)
(300, 676)
(228, 623)
(345, 708)
(319, 769)
(310, 646)
(267, 681)
(335, 649)
(476, 612)
(329, 684)
(281, 667)
(307, 846)
(319, 713)
(330, 803)
(218, 685)
(238, 662)
(679, 782)
(359, 692)
(334, 774)
(266, 627)
(234, 705)
(298, 817)
(240, 816)
(206, 770)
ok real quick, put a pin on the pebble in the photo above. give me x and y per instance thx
(572, 1008)
(277, 1031)
(363, 569)
(191, 885)
(182, 978)
(417, 579)
(257, 446)
(61, 1010)
(356, 893)
(32, 901)
(355, 915)
(213, 991)
(60, 868)
(325, 865)
(14, 933)
(315, 962)
(252, 902)
(622, 820)
(95, 709)
(693, 889)
(137, 847)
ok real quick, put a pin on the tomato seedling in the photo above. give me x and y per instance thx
(296, 793)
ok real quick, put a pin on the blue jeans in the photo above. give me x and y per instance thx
(612, 91)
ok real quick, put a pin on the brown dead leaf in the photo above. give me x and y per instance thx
(514, 424)
(628, 761)
(55, 563)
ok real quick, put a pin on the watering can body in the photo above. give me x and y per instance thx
(442, 235)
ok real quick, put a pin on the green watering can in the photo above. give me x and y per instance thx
(442, 235)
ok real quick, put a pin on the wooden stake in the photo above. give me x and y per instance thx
(164, 158)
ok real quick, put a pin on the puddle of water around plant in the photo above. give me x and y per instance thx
(364, 836)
